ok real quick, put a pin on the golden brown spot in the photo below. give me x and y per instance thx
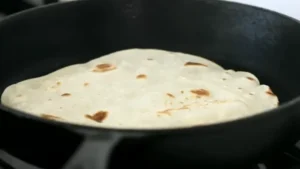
(270, 92)
(66, 94)
(200, 92)
(169, 111)
(194, 64)
(181, 91)
(224, 79)
(58, 83)
(149, 59)
(50, 117)
(184, 107)
(251, 94)
(49, 99)
(98, 117)
(141, 76)
(86, 84)
(170, 95)
(251, 78)
(104, 68)
(19, 95)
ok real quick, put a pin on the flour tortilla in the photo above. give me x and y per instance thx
(142, 88)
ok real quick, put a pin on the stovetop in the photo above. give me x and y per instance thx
(284, 160)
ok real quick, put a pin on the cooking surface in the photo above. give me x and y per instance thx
(280, 161)
(290, 8)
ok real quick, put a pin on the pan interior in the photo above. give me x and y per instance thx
(235, 36)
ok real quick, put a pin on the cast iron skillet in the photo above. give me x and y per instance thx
(241, 37)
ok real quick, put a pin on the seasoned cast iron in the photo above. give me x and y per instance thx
(240, 37)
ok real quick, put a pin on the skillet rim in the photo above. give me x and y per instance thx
(73, 127)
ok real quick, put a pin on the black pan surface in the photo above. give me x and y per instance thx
(236, 36)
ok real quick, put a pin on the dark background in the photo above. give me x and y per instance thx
(8, 7)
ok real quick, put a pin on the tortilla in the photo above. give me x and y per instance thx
(142, 88)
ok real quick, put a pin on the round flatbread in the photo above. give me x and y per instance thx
(142, 88)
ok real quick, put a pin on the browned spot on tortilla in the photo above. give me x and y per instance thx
(194, 64)
(184, 107)
(141, 76)
(86, 84)
(170, 95)
(251, 94)
(200, 92)
(104, 67)
(98, 117)
(50, 117)
(240, 88)
(149, 59)
(251, 78)
(49, 99)
(66, 94)
(224, 79)
(270, 92)
(181, 91)
(58, 83)
(19, 95)
(169, 111)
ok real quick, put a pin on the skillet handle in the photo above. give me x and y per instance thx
(35, 142)
(94, 152)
